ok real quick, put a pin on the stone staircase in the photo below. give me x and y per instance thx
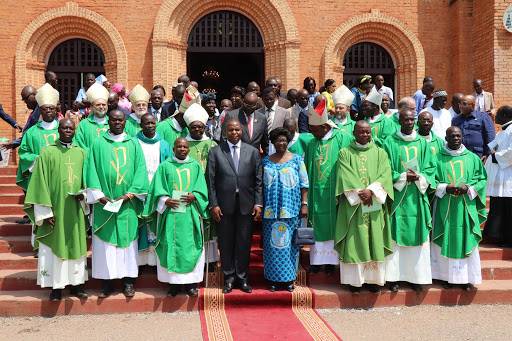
(20, 295)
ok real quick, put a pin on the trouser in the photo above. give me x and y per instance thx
(234, 237)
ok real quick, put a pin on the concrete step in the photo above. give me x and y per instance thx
(18, 261)
(10, 170)
(11, 198)
(13, 229)
(491, 252)
(8, 179)
(12, 209)
(15, 244)
(10, 188)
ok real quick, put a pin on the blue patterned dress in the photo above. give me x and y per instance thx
(282, 183)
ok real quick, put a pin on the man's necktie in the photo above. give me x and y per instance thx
(269, 120)
(235, 157)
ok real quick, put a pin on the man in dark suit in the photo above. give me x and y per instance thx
(254, 124)
(235, 193)
(11, 121)
(169, 108)
(274, 114)
(275, 84)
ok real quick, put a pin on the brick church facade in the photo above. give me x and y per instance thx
(152, 42)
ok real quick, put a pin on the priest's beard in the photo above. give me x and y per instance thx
(139, 113)
(100, 114)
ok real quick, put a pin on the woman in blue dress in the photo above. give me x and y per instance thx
(285, 191)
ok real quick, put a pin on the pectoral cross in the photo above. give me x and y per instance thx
(71, 176)
(118, 165)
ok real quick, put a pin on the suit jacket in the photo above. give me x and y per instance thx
(488, 101)
(280, 115)
(259, 129)
(283, 102)
(302, 120)
(223, 179)
(168, 110)
(7, 118)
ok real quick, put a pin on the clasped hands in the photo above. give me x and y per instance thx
(366, 197)
(452, 189)
(174, 203)
(125, 197)
(412, 176)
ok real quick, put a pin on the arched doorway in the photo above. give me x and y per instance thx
(71, 60)
(368, 59)
(225, 48)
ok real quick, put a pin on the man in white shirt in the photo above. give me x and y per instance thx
(156, 100)
(484, 100)
(384, 90)
(456, 99)
(442, 117)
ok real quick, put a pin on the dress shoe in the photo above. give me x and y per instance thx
(106, 289)
(245, 287)
(272, 288)
(191, 290)
(290, 287)
(314, 269)
(373, 288)
(468, 287)
(24, 220)
(329, 269)
(173, 290)
(129, 290)
(353, 289)
(56, 295)
(228, 287)
(394, 287)
(418, 288)
(78, 291)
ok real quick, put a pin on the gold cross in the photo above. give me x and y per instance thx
(117, 165)
(71, 176)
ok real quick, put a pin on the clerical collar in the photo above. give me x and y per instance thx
(294, 139)
(176, 124)
(135, 117)
(49, 125)
(66, 144)
(374, 119)
(409, 138)
(203, 138)
(428, 137)
(187, 159)
(362, 146)
(99, 120)
(117, 138)
(342, 122)
(328, 135)
(452, 152)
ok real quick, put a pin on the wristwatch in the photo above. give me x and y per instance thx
(305, 203)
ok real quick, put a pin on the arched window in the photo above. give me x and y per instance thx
(368, 59)
(71, 60)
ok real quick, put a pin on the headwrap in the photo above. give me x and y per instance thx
(117, 87)
(101, 79)
(364, 79)
(439, 93)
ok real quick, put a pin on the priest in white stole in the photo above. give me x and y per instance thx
(117, 182)
(55, 203)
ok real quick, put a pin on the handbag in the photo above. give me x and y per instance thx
(303, 235)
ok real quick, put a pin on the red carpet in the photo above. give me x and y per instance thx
(262, 314)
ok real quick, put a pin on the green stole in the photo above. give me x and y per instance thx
(32, 143)
(116, 168)
(362, 237)
(88, 131)
(410, 215)
(179, 236)
(381, 129)
(320, 158)
(165, 149)
(434, 142)
(58, 172)
(457, 219)
(168, 131)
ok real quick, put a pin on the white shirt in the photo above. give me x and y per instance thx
(156, 113)
(384, 90)
(235, 150)
(151, 156)
(480, 102)
(452, 112)
(442, 121)
(499, 175)
(49, 125)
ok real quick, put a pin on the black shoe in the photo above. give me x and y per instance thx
(191, 290)
(173, 290)
(416, 287)
(394, 287)
(329, 269)
(212, 267)
(245, 287)
(129, 290)
(290, 287)
(56, 295)
(354, 290)
(106, 289)
(272, 287)
(228, 287)
(468, 287)
(373, 288)
(447, 285)
(78, 291)
(314, 269)
(23, 221)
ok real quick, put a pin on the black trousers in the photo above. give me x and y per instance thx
(498, 228)
(234, 238)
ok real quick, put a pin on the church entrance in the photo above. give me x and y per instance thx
(368, 59)
(71, 60)
(225, 49)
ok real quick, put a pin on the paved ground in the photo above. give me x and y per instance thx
(475, 322)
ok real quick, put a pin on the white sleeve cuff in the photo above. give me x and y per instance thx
(422, 184)
(161, 207)
(378, 192)
(472, 193)
(352, 197)
(402, 181)
(504, 158)
(41, 213)
(31, 168)
(441, 190)
(141, 197)
(93, 195)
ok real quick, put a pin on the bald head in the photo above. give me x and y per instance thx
(362, 132)
(477, 85)
(406, 103)
(425, 123)
(185, 80)
(290, 124)
(28, 95)
(253, 87)
(66, 130)
(453, 138)
(302, 98)
(467, 105)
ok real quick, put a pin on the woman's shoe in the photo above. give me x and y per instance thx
(290, 287)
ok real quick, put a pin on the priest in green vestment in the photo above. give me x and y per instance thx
(321, 162)
(179, 196)
(370, 110)
(42, 134)
(412, 169)
(458, 211)
(425, 124)
(343, 99)
(363, 229)
(200, 145)
(53, 202)
(91, 128)
(406, 103)
(155, 151)
(139, 98)
(116, 181)
(299, 140)
(175, 126)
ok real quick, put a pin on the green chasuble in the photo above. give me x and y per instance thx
(434, 142)
(457, 218)
(321, 159)
(299, 146)
(32, 142)
(382, 127)
(362, 237)
(88, 131)
(410, 214)
(179, 237)
(347, 127)
(168, 131)
(132, 126)
(394, 120)
(116, 168)
(58, 172)
(199, 149)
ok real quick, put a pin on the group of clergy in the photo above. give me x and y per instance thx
(403, 207)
